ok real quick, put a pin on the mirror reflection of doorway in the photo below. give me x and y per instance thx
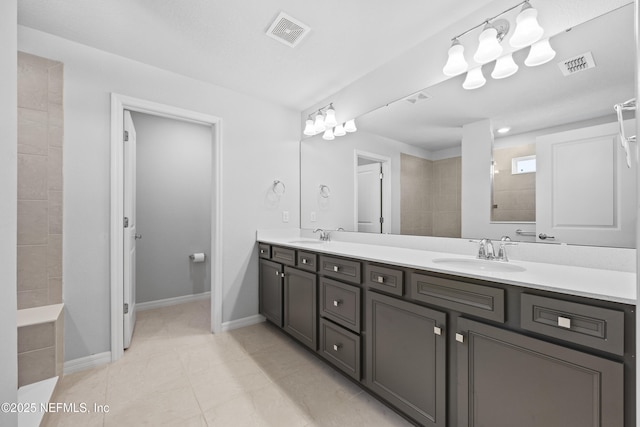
(371, 195)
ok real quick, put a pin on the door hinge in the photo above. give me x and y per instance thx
(126, 135)
(126, 308)
(381, 220)
(126, 222)
(381, 175)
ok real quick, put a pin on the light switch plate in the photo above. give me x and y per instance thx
(313, 216)
(285, 216)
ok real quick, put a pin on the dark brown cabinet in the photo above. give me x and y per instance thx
(508, 379)
(406, 357)
(300, 312)
(271, 284)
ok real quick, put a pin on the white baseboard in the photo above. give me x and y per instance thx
(149, 305)
(88, 362)
(241, 323)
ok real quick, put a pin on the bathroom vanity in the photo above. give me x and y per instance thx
(449, 344)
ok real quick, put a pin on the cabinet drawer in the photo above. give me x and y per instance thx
(340, 347)
(264, 250)
(478, 300)
(339, 268)
(384, 279)
(340, 303)
(307, 261)
(284, 255)
(595, 327)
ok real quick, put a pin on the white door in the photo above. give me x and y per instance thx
(130, 235)
(585, 193)
(370, 198)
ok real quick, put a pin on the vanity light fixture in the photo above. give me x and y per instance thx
(350, 126)
(505, 67)
(339, 130)
(325, 122)
(328, 135)
(527, 32)
(475, 79)
(541, 52)
(309, 128)
(456, 64)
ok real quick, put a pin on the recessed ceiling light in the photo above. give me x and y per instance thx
(504, 130)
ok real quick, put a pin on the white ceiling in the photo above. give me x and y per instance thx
(532, 99)
(224, 42)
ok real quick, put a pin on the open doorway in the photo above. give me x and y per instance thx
(372, 192)
(121, 239)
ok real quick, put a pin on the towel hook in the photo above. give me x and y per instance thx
(629, 105)
(278, 188)
(325, 191)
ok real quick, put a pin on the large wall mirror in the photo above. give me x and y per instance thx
(405, 163)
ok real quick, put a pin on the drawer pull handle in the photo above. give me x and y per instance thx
(459, 337)
(337, 302)
(277, 273)
(335, 268)
(564, 322)
(380, 279)
(304, 260)
(337, 347)
(437, 330)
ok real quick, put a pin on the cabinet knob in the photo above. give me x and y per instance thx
(337, 347)
(261, 251)
(335, 268)
(304, 260)
(459, 337)
(277, 273)
(281, 274)
(380, 279)
(437, 330)
(337, 302)
(564, 322)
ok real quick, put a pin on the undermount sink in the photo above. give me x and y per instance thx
(307, 242)
(480, 265)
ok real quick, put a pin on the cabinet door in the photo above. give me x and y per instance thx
(300, 290)
(271, 279)
(406, 356)
(507, 379)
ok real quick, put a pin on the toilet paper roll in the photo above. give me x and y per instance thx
(197, 257)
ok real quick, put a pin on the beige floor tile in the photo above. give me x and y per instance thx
(176, 373)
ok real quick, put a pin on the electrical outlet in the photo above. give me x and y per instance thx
(285, 216)
(313, 216)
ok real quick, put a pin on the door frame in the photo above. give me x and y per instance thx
(119, 103)
(386, 187)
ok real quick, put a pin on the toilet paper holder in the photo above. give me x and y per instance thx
(198, 257)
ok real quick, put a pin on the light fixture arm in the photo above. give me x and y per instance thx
(488, 20)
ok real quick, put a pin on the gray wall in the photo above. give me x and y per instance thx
(173, 207)
(8, 208)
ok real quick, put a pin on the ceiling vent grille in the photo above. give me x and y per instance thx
(287, 30)
(417, 97)
(576, 64)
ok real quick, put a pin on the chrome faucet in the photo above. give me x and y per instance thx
(502, 252)
(325, 235)
(485, 249)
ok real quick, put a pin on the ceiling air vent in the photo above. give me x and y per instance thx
(576, 64)
(287, 30)
(417, 97)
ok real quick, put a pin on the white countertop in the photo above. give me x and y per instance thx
(608, 285)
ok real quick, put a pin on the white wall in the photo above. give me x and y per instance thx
(260, 144)
(332, 163)
(173, 181)
(8, 208)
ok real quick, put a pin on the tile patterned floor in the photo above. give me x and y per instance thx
(178, 374)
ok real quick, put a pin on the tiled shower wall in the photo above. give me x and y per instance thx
(40, 136)
(514, 196)
(430, 193)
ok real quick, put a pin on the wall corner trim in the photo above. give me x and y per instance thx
(241, 323)
(87, 362)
